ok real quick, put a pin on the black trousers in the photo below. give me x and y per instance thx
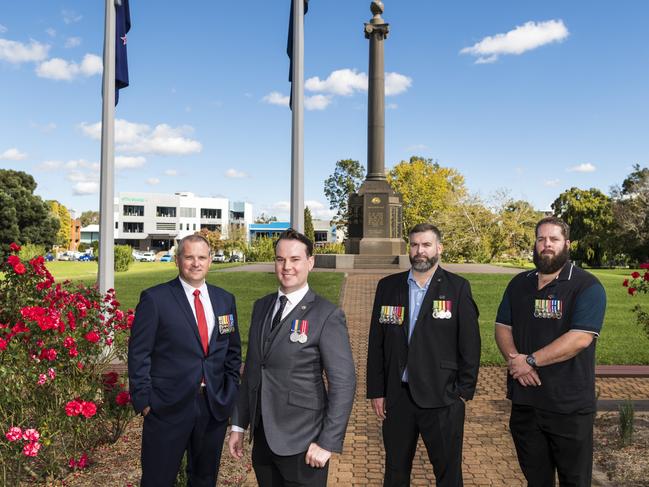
(274, 470)
(442, 430)
(164, 443)
(548, 443)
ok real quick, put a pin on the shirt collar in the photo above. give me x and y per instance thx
(413, 281)
(296, 296)
(189, 289)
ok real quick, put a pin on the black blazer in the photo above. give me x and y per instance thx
(444, 354)
(165, 357)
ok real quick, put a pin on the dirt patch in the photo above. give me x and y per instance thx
(624, 465)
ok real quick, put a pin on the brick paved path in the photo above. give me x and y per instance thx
(489, 456)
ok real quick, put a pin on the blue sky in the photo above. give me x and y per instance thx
(531, 97)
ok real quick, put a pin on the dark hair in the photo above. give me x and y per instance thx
(425, 227)
(554, 220)
(290, 234)
(196, 237)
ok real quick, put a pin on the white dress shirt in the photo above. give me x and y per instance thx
(205, 301)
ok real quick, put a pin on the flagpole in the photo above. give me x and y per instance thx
(297, 131)
(106, 275)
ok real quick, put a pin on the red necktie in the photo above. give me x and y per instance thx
(202, 321)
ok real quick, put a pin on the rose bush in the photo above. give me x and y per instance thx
(638, 283)
(58, 399)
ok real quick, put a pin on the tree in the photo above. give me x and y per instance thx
(631, 214)
(60, 212)
(590, 216)
(89, 217)
(465, 228)
(512, 234)
(24, 217)
(345, 180)
(427, 189)
(264, 218)
(308, 225)
(214, 239)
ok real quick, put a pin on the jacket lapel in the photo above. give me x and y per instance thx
(404, 300)
(433, 290)
(296, 313)
(266, 310)
(179, 293)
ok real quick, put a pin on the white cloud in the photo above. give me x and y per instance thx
(86, 187)
(3, 29)
(584, 167)
(171, 172)
(391, 106)
(396, 83)
(340, 82)
(417, 148)
(72, 165)
(276, 98)
(139, 138)
(50, 165)
(17, 52)
(152, 181)
(319, 210)
(523, 38)
(72, 42)
(552, 183)
(13, 154)
(129, 162)
(234, 174)
(46, 128)
(60, 69)
(70, 16)
(50, 32)
(317, 102)
(281, 206)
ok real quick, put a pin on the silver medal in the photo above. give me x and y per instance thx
(295, 336)
(302, 338)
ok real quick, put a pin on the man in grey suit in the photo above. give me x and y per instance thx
(295, 335)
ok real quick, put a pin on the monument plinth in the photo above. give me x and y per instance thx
(375, 226)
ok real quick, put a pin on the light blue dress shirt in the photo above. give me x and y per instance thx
(416, 295)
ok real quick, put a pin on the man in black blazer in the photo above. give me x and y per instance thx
(295, 335)
(184, 356)
(422, 362)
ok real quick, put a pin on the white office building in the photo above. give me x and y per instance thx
(156, 221)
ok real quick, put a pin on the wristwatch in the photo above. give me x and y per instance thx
(531, 361)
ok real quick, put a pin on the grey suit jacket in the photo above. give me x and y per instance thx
(296, 407)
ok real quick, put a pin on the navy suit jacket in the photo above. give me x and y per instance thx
(166, 361)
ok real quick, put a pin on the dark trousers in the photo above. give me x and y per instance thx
(274, 470)
(442, 430)
(164, 443)
(549, 443)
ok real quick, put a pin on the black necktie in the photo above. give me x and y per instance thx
(278, 316)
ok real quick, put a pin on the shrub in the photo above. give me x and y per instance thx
(638, 283)
(56, 344)
(261, 250)
(29, 251)
(123, 257)
(626, 422)
(331, 248)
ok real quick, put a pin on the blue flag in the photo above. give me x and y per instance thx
(122, 26)
(289, 46)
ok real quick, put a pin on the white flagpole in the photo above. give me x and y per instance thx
(106, 276)
(297, 132)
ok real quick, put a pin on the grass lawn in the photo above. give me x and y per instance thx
(622, 341)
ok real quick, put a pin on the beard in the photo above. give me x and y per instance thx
(549, 264)
(422, 264)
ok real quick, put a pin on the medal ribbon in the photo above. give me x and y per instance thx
(294, 326)
(304, 327)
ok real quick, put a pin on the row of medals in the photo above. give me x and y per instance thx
(547, 314)
(441, 314)
(298, 337)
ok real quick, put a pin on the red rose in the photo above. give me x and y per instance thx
(13, 260)
(3, 344)
(635, 275)
(632, 291)
(48, 354)
(109, 379)
(83, 461)
(92, 336)
(646, 276)
(69, 342)
(88, 409)
(14, 247)
(73, 352)
(19, 269)
(626, 283)
(73, 408)
(123, 398)
(31, 449)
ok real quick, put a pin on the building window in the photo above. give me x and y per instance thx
(320, 236)
(236, 215)
(194, 226)
(116, 225)
(211, 228)
(133, 210)
(165, 211)
(187, 212)
(133, 227)
(165, 226)
(210, 213)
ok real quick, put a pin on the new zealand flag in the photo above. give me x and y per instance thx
(122, 26)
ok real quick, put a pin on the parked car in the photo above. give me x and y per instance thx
(166, 258)
(234, 258)
(85, 258)
(65, 256)
(145, 257)
(49, 257)
(218, 258)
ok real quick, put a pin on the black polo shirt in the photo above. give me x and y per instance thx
(575, 300)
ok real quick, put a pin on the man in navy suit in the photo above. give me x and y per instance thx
(184, 356)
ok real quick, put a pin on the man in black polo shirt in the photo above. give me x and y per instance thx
(546, 328)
